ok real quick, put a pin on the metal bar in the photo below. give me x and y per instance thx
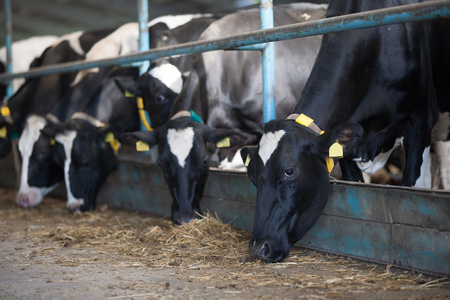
(268, 64)
(144, 45)
(8, 43)
(144, 38)
(400, 14)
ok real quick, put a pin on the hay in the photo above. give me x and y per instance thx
(205, 250)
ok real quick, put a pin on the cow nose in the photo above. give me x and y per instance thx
(23, 200)
(179, 219)
(261, 250)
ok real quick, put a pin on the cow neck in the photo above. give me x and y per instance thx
(307, 122)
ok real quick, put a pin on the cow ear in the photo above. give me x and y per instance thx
(348, 136)
(140, 139)
(127, 87)
(247, 153)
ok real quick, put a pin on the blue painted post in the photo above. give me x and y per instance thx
(8, 42)
(144, 43)
(268, 64)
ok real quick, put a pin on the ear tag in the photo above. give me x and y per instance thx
(5, 111)
(115, 144)
(336, 150)
(142, 146)
(109, 137)
(247, 160)
(224, 143)
(3, 132)
(128, 94)
(52, 142)
(195, 117)
(330, 163)
(304, 120)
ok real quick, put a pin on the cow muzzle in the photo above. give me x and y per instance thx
(29, 199)
(266, 251)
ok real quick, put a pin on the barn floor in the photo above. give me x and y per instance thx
(45, 253)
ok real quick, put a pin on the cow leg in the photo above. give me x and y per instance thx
(442, 150)
(350, 171)
(417, 172)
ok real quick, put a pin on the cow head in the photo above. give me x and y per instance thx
(42, 167)
(289, 170)
(184, 147)
(89, 150)
(159, 87)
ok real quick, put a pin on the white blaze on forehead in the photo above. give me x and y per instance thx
(28, 138)
(169, 75)
(66, 139)
(180, 143)
(268, 144)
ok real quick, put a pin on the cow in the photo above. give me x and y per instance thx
(83, 149)
(370, 90)
(220, 104)
(162, 82)
(40, 95)
(25, 51)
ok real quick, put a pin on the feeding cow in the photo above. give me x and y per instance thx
(222, 98)
(369, 91)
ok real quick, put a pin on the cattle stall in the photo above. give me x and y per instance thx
(392, 225)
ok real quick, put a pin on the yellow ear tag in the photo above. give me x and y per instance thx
(304, 120)
(128, 94)
(52, 142)
(336, 150)
(224, 143)
(5, 111)
(115, 144)
(3, 132)
(330, 163)
(109, 137)
(247, 160)
(142, 146)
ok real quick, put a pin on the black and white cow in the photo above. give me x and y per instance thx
(369, 91)
(40, 95)
(28, 107)
(85, 147)
(164, 79)
(222, 98)
(25, 51)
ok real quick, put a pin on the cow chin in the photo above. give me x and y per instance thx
(30, 198)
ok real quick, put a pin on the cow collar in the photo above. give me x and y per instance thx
(109, 137)
(335, 151)
(189, 114)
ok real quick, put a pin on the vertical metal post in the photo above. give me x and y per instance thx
(8, 42)
(268, 64)
(144, 43)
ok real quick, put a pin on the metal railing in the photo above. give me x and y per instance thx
(407, 13)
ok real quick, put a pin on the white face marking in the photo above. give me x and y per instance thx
(169, 75)
(371, 167)
(28, 138)
(174, 21)
(268, 144)
(180, 143)
(66, 139)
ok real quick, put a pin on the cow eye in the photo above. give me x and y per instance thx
(289, 173)
(160, 98)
